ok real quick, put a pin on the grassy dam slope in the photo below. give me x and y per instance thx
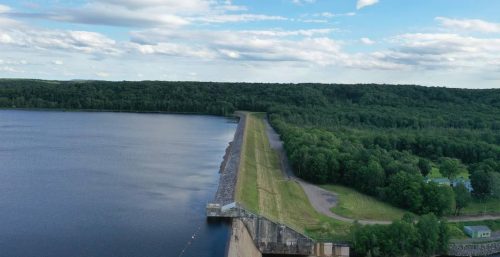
(262, 187)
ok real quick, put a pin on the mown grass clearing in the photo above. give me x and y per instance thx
(262, 188)
(436, 174)
(355, 205)
(477, 206)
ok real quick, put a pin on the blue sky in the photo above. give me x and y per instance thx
(453, 43)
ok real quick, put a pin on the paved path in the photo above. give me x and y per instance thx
(321, 199)
(474, 218)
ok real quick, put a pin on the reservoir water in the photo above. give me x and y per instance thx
(109, 184)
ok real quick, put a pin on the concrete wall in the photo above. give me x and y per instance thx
(241, 243)
(331, 250)
(274, 238)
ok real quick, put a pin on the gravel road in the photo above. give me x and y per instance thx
(322, 200)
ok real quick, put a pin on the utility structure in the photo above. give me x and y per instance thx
(272, 237)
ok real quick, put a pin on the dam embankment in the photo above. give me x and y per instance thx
(240, 243)
(230, 165)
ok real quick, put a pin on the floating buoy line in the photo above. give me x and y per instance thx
(190, 241)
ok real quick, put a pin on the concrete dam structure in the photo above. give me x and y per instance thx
(253, 234)
(269, 237)
(272, 237)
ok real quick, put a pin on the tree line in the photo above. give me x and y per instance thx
(428, 236)
(380, 139)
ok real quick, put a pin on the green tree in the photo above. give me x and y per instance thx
(450, 167)
(495, 185)
(405, 190)
(481, 182)
(438, 199)
(405, 239)
(371, 177)
(462, 197)
(444, 238)
(428, 229)
(425, 166)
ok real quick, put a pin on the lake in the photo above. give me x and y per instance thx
(110, 184)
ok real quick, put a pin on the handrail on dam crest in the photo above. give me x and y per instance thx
(272, 237)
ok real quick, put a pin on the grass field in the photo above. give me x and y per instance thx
(355, 205)
(482, 206)
(436, 174)
(262, 188)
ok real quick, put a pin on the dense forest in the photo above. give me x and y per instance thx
(382, 140)
(406, 237)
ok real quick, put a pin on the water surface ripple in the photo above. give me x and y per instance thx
(109, 184)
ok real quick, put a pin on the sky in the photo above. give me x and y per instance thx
(451, 43)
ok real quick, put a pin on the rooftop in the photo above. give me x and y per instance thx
(478, 228)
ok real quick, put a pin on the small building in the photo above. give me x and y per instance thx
(453, 183)
(440, 181)
(465, 182)
(477, 231)
(325, 249)
(213, 210)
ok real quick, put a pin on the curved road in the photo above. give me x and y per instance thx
(323, 200)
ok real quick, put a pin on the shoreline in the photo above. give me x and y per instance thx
(239, 242)
(230, 166)
(111, 111)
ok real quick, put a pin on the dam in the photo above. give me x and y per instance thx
(254, 234)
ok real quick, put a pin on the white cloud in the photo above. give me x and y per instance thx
(313, 20)
(107, 14)
(175, 50)
(42, 39)
(102, 74)
(469, 25)
(4, 8)
(6, 38)
(301, 2)
(8, 69)
(367, 41)
(443, 51)
(13, 62)
(364, 3)
(170, 6)
(286, 33)
(236, 18)
(312, 46)
(152, 13)
(58, 62)
(333, 15)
